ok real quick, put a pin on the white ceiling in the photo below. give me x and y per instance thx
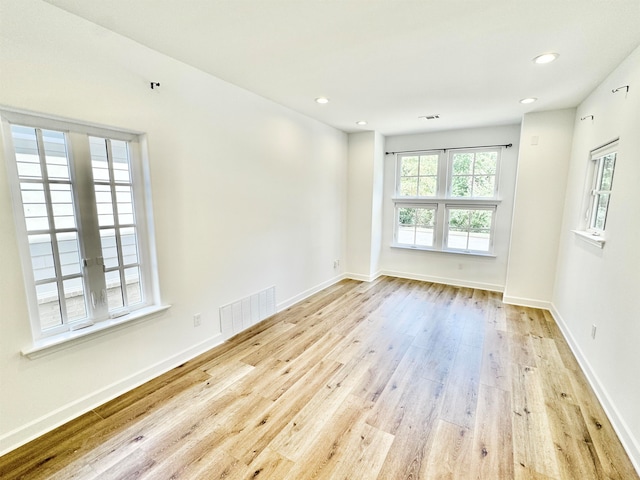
(389, 61)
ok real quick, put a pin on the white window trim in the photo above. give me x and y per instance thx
(590, 238)
(142, 198)
(61, 341)
(443, 200)
(449, 201)
(433, 250)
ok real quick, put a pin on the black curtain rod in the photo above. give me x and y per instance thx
(506, 145)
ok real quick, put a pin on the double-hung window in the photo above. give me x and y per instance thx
(604, 162)
(82, 220)
(447, 200)
(598, 195)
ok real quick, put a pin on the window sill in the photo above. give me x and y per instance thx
(456, 252)
(54, 343)
(591, 239)
(448, 200)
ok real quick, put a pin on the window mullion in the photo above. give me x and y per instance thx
(473, 176)
(444, 159)
(88, 226)
(440, 226)
(398, 178)
(443, 174)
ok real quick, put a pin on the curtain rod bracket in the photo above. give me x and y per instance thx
(154, 84)
(586, 116)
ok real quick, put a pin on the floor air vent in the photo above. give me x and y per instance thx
(240, 315)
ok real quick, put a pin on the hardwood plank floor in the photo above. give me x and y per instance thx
(394, 379)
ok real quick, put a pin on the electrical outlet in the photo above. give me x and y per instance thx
(197, 320)
(336, 263)
(593, 331)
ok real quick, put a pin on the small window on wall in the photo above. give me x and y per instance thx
(599, 192)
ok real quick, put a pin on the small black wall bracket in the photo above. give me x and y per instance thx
(154, 85)
(624, 87)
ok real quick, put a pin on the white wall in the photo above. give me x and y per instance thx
(247, 194)
(600, 286)
(543, 162)
(454, 269)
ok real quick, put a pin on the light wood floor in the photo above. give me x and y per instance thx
(390, 380)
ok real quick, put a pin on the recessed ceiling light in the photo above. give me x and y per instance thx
(528, 100)
(361, 122)
(322, 100)
(546, 58)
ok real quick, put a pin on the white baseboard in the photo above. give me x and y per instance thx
(38, 427)
(630, 443)
(363, 278)
(447, 281)
(526, 302)
(307, 293)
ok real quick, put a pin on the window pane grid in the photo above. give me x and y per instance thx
(49, 308)
(419, 175)
(416, 226)
(50, 221)
(469, 229)
(473, 174)
(116, 217)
